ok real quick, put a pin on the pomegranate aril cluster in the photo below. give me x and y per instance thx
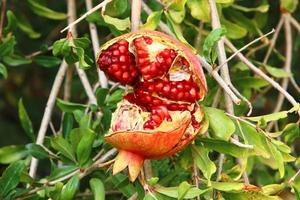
(119, 63)
(147, 71)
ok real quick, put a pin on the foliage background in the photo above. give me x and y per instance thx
(30, 78)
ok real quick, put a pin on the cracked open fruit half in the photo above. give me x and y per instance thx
(159, 115)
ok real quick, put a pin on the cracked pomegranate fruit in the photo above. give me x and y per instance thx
(159, 115)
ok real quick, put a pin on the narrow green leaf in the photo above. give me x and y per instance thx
(263, 8)
(106, 119)
(173, 192)
(64, 147)
(11, 177)
(25, 121)
(11, 21)
(152, 21)
(81, 58)
(277, 73)
(36, 151)
(227, 186)
(26, 27)
(7, 46)
(120, 24)
(84, 147)
(70, 189)
(291, 132)
(97, 188)
(47, 61)
(44, 11)
(221, 125)
(203, 162)
(116, 8)
(183, 188)
(10, 154)
(69, 107)
(273, 189)
(115, 97)
(3, 70)
(67, 124)
(277, 156)
(62, 171)
(199, 9)
(101, 94)
(224, 147)
(210, 43)
(16, 60)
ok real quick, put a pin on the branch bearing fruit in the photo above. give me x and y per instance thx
(159, 115)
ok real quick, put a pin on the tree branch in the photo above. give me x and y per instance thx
(136, 8)
(3, 9)
(96, 44)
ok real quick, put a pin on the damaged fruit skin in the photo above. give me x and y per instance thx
(159, 116)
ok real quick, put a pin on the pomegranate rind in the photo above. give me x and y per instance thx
(172, 43)
(133, 161)
(151, 145)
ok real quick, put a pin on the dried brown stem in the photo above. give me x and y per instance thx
(3, 9)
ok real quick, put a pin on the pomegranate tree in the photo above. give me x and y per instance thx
(159, 115)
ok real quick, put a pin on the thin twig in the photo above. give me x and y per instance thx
(100, 5)
(196, 177)
(260, 73)
(96, 45)
(295, 23)
(3, 9)
(48, 112)
(294, 83)
(243, 98)
(37, 53)
(292, 179)
(136, 8)
(64, 177)
(217, 98)
(243, 48)
(239, 144)
(220, 166)
(273, 40)
(287, 65)
(215, 21)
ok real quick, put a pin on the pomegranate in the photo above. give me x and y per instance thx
(159, 115)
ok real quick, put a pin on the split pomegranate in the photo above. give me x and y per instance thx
(159, 115)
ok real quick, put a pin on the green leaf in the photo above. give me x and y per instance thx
(120, 24)
(224, 147)
(199, 9)
(297, 192)
(249, 195)
(177, 5)
(26, 27)
(7, 46)
(273, 189)
(69, 107)
(257, 139)
(44, 11)
(115, 97)
(278, 73)
(36, 151)
(177, 30)
(81, 58)
(97, 188)
(289, 5)
(62, 171)
(275, 116)
(234, 31)
(203, 162)
(153, 181)
(221, 125)
(106, 118)
(47, 61)
(250, 83)
(152, 21)
(291, 132)
(227, 186)
(116, 8)
(263, 8)
(10, 154)
(183, 188)
(25, 121)
(16, 60)
(84, 147)
(70, 189)
(11, 21)
(82, 42)
(64, 147)
(61, 47)
(3, 70)
(11, 177)
(277, 156)
(101, 94)
(173, 192)
(67, 124)
(224, 1)
(177, 16)
(210, 44)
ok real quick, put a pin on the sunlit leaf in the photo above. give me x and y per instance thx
(98, 189)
